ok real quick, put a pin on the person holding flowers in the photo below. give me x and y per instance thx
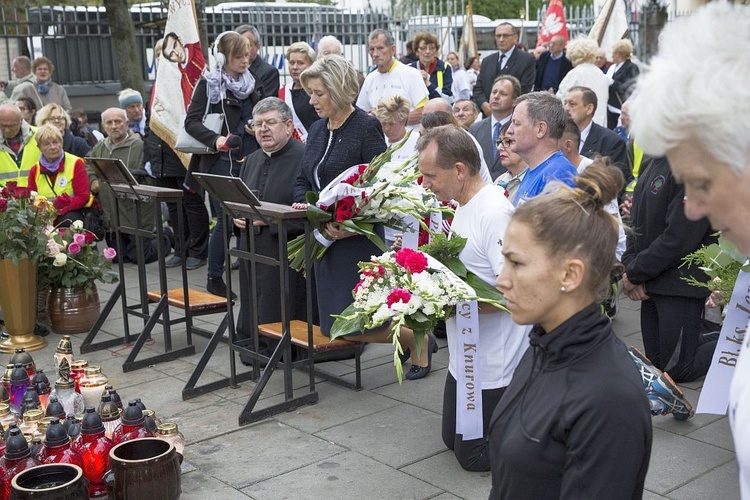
(345, 136)
(575, 421)
(61, 177)
(450, 163)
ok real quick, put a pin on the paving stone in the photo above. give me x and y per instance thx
(677, 460)
(327, 413)
(197, 485)
(716, 433)
(259, 452)
(397, 436)
(425, 393)
(341, 476)
(443, 471)
(717, 483)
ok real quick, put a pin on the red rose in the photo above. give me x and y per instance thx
(344, 209)
(3, 205)
(23, 193)
(90, 238)
(415, 262)
(62, 202)
(398, 295)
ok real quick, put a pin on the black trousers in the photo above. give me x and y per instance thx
(671, 329)
(194, 221)
(473, 455)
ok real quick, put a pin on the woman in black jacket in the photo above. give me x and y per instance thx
(230, 88)
(574, 421)
(671, 309)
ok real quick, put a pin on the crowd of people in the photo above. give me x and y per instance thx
(536, 150)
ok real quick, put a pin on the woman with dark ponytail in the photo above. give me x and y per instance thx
(574, 421)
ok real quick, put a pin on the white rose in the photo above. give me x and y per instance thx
(60, 260)
(77, 224)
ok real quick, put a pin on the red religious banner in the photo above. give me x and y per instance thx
(179, 66)
(553, 24)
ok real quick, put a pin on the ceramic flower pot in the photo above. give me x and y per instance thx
(50, 482)
(72, 310)
(18, 302)
(144, 469)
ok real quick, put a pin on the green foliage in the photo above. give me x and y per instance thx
(721, 262)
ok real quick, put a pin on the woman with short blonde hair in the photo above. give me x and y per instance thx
(54, 114)
(393, 112)
(623, 73)
(299, 57)
(582, 55)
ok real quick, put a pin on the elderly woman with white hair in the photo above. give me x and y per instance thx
(697, 115)
(582, 54)
(299, 57)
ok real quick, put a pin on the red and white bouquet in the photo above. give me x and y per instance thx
(381, 192)
(414, 289)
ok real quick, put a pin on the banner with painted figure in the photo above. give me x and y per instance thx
(179, 66)
(553, 24)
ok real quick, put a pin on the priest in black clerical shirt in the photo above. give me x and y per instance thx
(270, 172)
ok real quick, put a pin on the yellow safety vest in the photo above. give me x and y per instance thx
(637, 159)
(63, 182)
(13, 170)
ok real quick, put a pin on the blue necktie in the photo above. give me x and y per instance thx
(495, 136)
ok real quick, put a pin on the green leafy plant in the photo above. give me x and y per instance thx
(24, 219)
(73, 260)
(721, 261)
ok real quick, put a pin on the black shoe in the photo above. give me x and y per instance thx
(194, 263)
(173, 261)
(417, 372)
(439, 331)
(41, 330)
(216, 286)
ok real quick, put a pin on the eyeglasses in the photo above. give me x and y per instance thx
(504, 35)
(257, 125)
(505, 142)
(22, 108)
(56, 118)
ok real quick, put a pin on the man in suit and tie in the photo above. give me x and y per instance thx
(505, 90)
(267, 74)
(580, 104)
(509, 60)
(552, 66)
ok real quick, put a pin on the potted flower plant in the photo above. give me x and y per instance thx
(24, 219)
(69, 269)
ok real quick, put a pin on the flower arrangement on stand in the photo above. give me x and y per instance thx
(70, 269)
(381, 192)
(24, 219)
(409, 288)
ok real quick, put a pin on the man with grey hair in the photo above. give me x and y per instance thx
(125, 145)
(391, 77)
(449, 163)
(536, 126)
(21, 68)
(330, 45)
(271, 171)
(267, 74)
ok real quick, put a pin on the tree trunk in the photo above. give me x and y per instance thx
(129, 62)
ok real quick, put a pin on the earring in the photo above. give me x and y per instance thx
(562, 289)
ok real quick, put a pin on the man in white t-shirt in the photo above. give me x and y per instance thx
(391, 77)
(449, 163)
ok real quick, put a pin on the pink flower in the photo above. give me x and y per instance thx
(398, 295)
(74, 248)
(52, 248)
(415, 262)
(79, 239)
(109, 253)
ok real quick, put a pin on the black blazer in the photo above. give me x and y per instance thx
(268, 76)
(541, 65)
(601, 141)
(623, 82)
(482, 132)
(521, 64)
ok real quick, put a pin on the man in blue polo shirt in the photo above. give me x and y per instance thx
(537, 124)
